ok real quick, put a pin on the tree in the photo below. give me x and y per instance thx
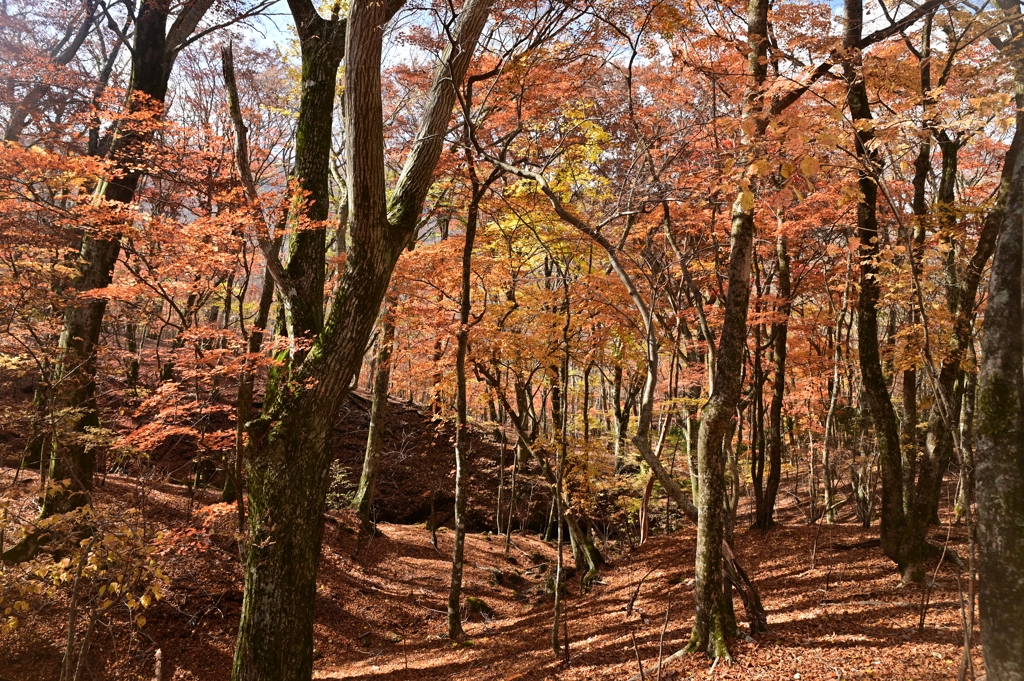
(291, 450)
(156, 49)
(879, 402)
(1000, 414)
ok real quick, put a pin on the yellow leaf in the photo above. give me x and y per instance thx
(810, 166)
(747, 200)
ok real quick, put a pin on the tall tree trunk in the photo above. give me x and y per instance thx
(292, 439)
(780, 333)
(1000, 453)
(713, 621)
(1000, 430)
(875, 388)
(233, 488)
(152, 60)
(961, 301)
(757, 458)
(461, 420)
(922, 170)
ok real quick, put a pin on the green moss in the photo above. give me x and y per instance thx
(996, 408)
(478, 608)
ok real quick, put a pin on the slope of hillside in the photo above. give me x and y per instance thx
(380, 607)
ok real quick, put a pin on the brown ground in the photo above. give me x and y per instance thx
(380, 609)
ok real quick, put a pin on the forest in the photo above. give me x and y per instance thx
(511, 339)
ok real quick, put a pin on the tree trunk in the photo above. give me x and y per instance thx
(780, 332)
(757, 453)
(713, 622)
(378, 423)
(152, 59)
(1000, 438)
(233, 487)
(876, 391)
(961, 301)
(967, 444)
(587, 556)
(461, 420)
(922, 170)
(243, 404)
(830, 427)
(292, 440)
(621, 421)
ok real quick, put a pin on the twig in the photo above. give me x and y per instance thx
(664, 628)
(405, 649)
(967, 610)
(926, 596)
(638, 662)
(629, 606)
(671, 658)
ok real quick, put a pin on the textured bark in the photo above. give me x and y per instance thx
(378, 423)
(288, 470)
(1000, 454)
(875, 389)
(713, 621)
(322, 46)
(780, 332)
(1000, 438)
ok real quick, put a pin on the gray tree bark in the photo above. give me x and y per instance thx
(378, 423)
(883, 415)
(1000, 434)
(288, 470)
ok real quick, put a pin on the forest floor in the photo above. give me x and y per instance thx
(834, 613)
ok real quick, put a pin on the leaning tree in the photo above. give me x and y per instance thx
(291, 441)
